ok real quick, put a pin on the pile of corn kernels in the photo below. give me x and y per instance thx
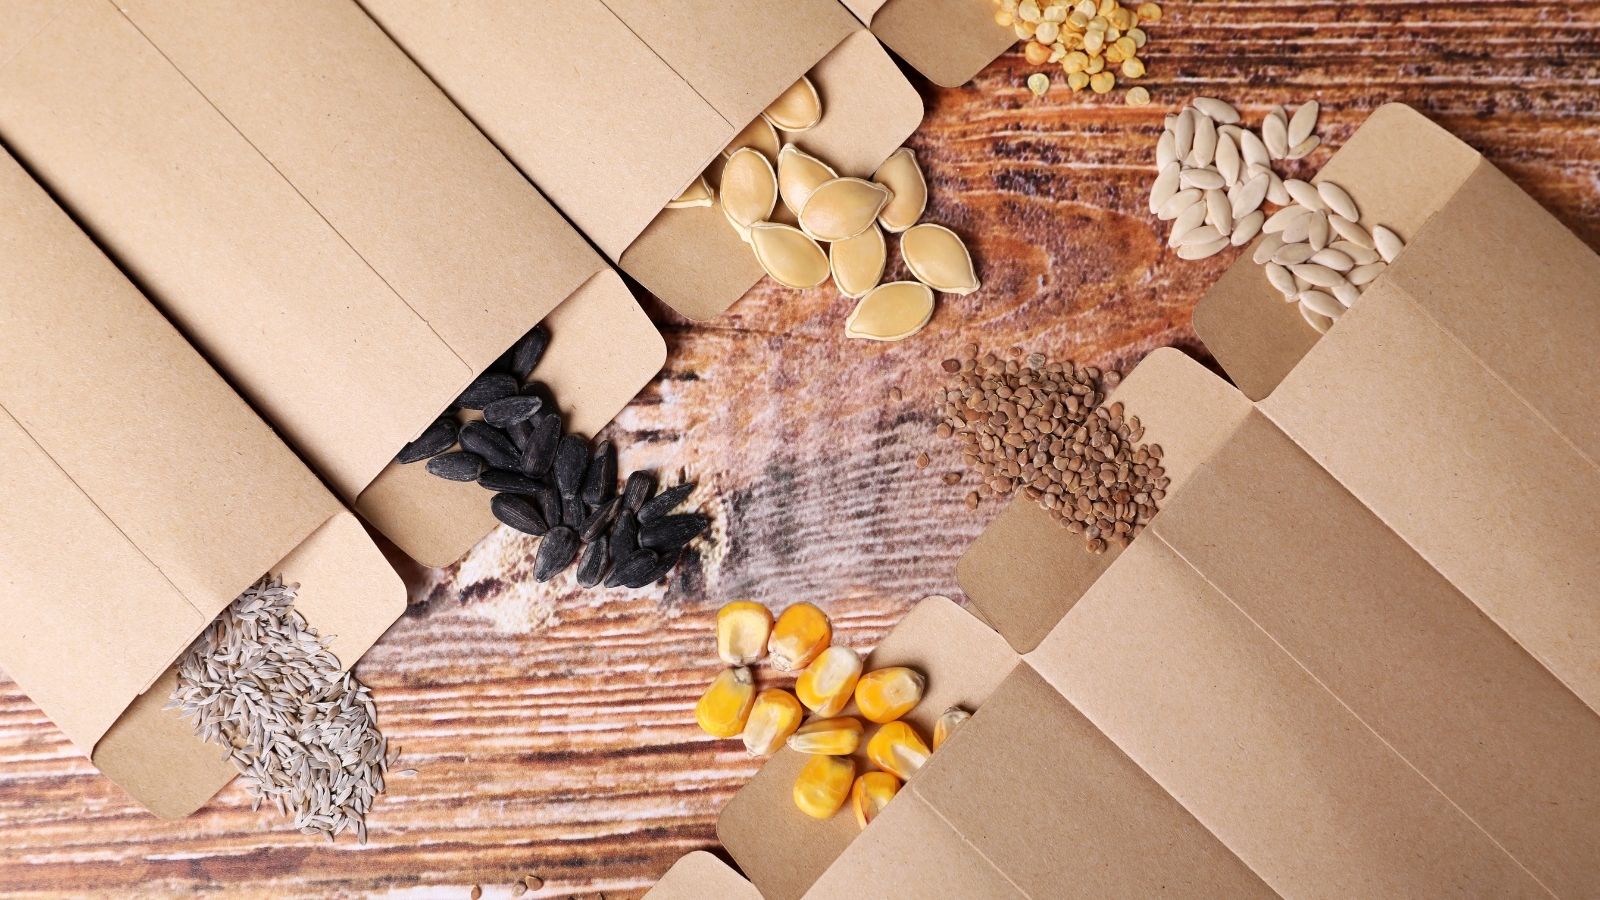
(1093, 40)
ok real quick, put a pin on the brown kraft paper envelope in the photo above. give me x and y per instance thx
(947, 40)
(701, 876)
(613, 135)
(141, 496)
(318, 219)
(1308, 642)
(1023, 797)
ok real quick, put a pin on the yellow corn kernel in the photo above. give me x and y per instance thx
(802, 633)
(825, 687)
(725, 706)
(775, 716)
(888, 694)
(828, 737)
(872, 792)
(742, 630)
(896, 749)
(947, 723)
(823, 785)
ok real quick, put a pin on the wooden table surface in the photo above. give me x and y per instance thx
(551, 729)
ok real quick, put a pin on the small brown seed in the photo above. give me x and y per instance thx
(922, 460)
(952, 478)
(951, 365)
(972, 500)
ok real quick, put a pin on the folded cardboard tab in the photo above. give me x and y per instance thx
(140, 497)
(321, 221)
(701, 876)
(677, 81)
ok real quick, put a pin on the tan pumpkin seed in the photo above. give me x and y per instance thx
(1304, 148)
(939, 259)
(1304, 194)
(1320, 233)
(857, 263)
(1321, 276)
(1268, 247)
(1303, 123)
(842, 208)
(1218, 111)
(796, 109)
(1201, 251)
(791, 258)
(1253, 150)
(1183, 133)
(1205, 234)
(1204, 149)
(1323, 303)
(1387, 243)
(1299, 229)
(1351, 231)
(1180, 201)
(1282, 280)
(1292, 254)
(1165, 154)
(1204, 179)
(1366, 274)
(800, 173)
(1219, 212)
(698, 193)
(1275, 134)
(1275, 192)
(1192, 218)
(1315, 319)
(1250, 195)
(760, 135)
(1361, 255)
(891, 312)
(903, 177)
(1228, 161)
(1166, 185)
(1333, 259)
(1245, 229)
(1347, 294)
(749, 189)
(1338, 201)
(1283, 218)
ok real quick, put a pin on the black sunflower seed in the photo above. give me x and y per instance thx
(592, 565)
(572, 512)
(668, 533)
(506, 410)
(542, 391)
(663, 565)
(503, 362)
(526, 355)
(458, 466)
(640, 486)
(436, 439)
(663, 503)
(600, 483)
(490, 443)
(486, 389)
(600, 520)
(556, 552)
(502, 482)
(572, 462)
(635, 565)
(521, 431)
(540, 453)
(518, 513)
(625, 534)
(548, 500)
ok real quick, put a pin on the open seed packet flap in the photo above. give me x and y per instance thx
(701, 876)
(313, 213)
(657, 91)
(947, 40)
(140, 497)
(1359, 642)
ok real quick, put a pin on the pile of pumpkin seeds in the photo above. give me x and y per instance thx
(1041, 429)
(850, 215)
(504, 432)
(1093, 40)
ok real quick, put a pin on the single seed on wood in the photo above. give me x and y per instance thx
(490, 443)
(507, 410)
(972, 500)
(939, 259)
(1039, 82)
(540, 452)
(788, 255)
(1137, 96)
(891, 312)
(557, 549)
(518, 513)
(952, 478)
(1303, 123)
(434, 440)
(572, 464)
(842, 208)
(797, 109)
(592, 564)
(759, 136)
(641, 485)
(664, 502)
(857, 263)
(458, 466)
(530, 350)
(923, 460)
(698, 193)
(487, 388)
(749, 190)
(799, 174)
(901, 175)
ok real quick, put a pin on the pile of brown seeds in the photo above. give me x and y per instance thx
(1039, 428)
(302, 732)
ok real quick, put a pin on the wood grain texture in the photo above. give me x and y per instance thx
(552, 729)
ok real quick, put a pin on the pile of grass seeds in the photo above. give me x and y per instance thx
(302, 732)
(1040, 428)
(505, 433)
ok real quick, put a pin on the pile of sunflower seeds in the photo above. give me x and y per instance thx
(549, 485)
(1039, 428)
(302, 732)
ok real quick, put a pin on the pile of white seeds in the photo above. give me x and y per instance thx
(302, 732)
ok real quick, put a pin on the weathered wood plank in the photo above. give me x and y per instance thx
(551, 729)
